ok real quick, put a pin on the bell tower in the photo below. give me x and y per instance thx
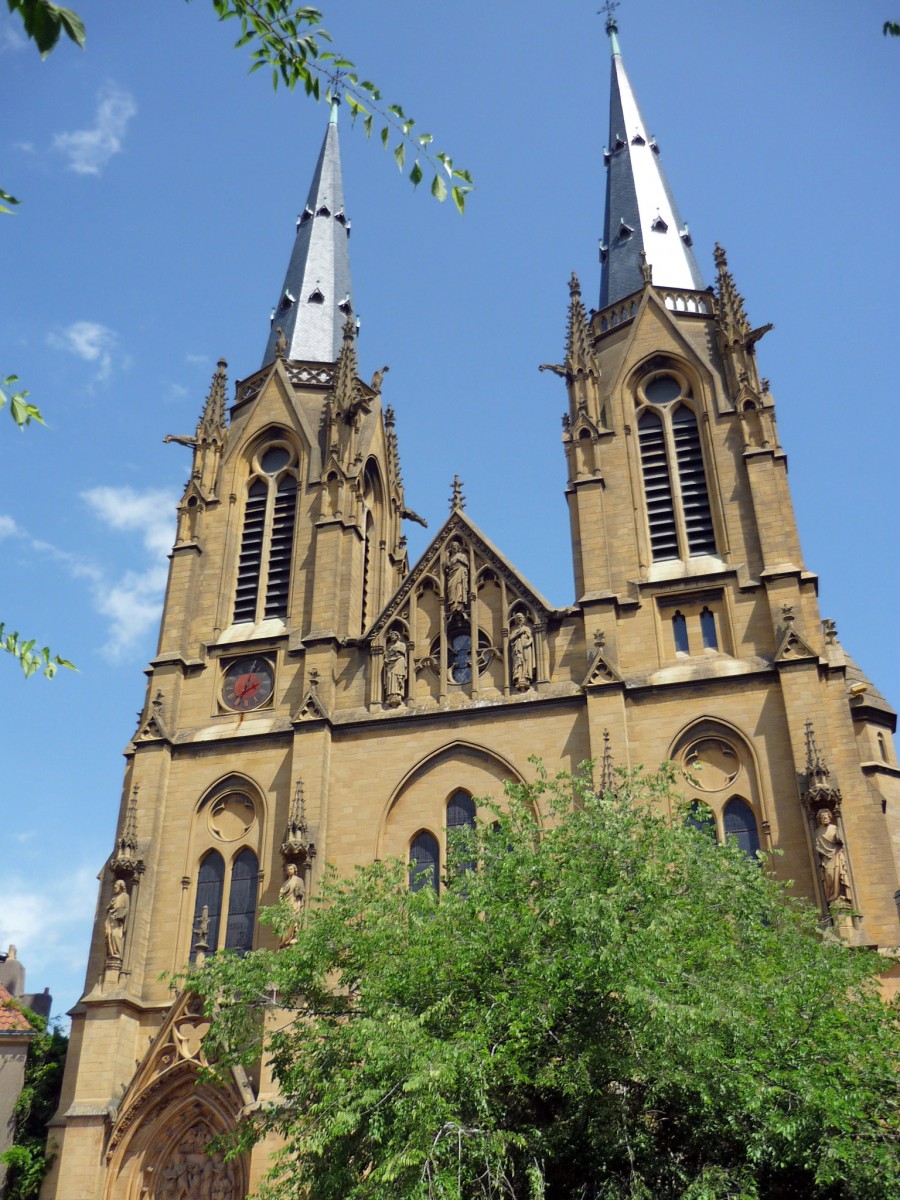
(686, 555)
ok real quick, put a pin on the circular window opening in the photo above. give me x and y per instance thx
(712, 764)
(662, 390)
(459, 654)
(231, 817)
(274, 459)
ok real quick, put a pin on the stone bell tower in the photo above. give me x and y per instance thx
(288, 542)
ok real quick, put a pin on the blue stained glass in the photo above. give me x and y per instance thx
(740, 824)
(459, 657)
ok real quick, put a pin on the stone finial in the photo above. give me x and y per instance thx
(829, 628)
(212, 423)
(126, 861)
(607, 770)
(600, 639)
(295, 845)
(819, 791)
(457, 499)
(787, 614)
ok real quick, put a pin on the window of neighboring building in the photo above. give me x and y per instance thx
(267, 539)
(678, 511)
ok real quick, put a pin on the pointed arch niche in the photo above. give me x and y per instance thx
(438, 791)
(720, 774)
(267, 499)
(168, 1116)
(222, 870)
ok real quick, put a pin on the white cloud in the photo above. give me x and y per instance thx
(90, 341)
(40, 918)
(133, 602)
(8, 527)
(198, 360)
(11, 36)
(89, 150)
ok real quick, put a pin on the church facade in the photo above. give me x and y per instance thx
(315, 699)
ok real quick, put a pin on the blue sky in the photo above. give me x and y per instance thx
(160, 185)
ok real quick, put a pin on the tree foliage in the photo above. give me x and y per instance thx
(26, 1159)
(610, 1006)
(289, 40)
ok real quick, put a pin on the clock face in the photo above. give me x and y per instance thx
(248, 683)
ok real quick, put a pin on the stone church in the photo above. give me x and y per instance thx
(315, 699)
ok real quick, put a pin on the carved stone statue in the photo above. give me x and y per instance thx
(456, 570)
(280, 342)
(521, 653)
(116, 920)
(292, 891)
(832, 859)
(396, 669)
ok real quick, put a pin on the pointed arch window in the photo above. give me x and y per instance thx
(739, 823)
(461, 815)
(678, 509)
(424, 862)
(242, 903)
(267, 540)
(210, 885)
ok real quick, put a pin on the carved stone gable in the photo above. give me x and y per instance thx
(793, 648)
(601, 672)
(463, 624)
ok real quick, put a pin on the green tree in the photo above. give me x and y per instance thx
(610, 1006)
(26, 1160)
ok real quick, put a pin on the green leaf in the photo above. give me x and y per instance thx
(415, 174)
(459, 198)
(385, 135)
(400, 154)
(438, 188)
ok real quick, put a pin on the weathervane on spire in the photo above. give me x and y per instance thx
(609, 8)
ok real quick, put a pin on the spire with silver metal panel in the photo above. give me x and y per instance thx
(315, 301)
(641, 214)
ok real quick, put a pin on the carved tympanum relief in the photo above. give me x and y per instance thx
(191, 1173)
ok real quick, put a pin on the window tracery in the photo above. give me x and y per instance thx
(721, 780)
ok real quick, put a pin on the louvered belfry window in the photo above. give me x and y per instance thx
(267, 540)
(678, 510)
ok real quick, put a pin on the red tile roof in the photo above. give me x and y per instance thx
(11, 1020)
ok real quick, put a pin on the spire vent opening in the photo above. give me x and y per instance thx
(659, 225)
(341, 218)
(685, 235)
(287, 301)
(653, 145)
(625, 232)
(305, 216)
(619, 144)
(316, 297)
(604, 252)
(345, 306)
(637, 140)
(324, 211)
(606, 156)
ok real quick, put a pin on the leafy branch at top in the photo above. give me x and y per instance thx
(20, 410)
(289, 40)
(891, 29)
(44, 22)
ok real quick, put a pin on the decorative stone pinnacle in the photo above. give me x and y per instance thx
(574, 286)
(787, 614)
(607, 772)
(820, 792)
(599, 639)
(457, 499)
(126, 861)
(830, 630)
(295, 846)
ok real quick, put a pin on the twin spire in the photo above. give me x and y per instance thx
(315, 300)
(644, 234)
(641, 214)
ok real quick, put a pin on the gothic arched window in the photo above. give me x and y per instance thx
(424, 861)
(740, 824)
(678, 511)
(210, 885)
(242, 903)
(461, 815)
(267, 541)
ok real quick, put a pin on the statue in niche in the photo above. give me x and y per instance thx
(396, 669)
(116, 920)
(521, 653)
(293, 892)
(456, 570)
(832, 859)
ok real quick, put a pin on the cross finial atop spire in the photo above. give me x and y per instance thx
(612, 27)
(457, 499)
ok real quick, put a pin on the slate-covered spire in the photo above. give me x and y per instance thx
(640, 209)
(315, 300)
